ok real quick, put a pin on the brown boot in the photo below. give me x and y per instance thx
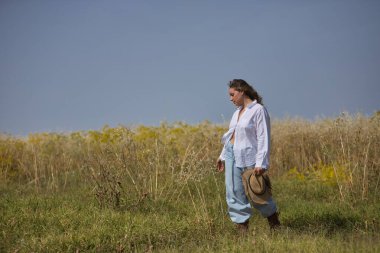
(242, 228)
(273, 221)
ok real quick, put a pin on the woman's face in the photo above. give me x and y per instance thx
(236, 97)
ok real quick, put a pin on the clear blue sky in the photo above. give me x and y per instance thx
(78, 65)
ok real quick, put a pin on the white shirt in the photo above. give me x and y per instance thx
(252, 136)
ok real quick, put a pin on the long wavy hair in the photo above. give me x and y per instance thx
(241, 85)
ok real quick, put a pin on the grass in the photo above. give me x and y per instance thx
(71, 221)
(154, 189)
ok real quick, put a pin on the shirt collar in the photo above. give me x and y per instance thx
(250, 105)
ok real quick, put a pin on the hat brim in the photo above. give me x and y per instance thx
(257, 187)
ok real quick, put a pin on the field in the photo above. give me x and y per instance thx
(155, 189)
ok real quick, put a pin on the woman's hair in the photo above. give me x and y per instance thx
(241, 85)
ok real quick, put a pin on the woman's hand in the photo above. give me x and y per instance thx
(258, 171)
(220, 165)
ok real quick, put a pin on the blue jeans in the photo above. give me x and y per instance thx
(239, 207)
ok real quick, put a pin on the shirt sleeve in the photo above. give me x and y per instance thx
(222, 154)
(263, 138)
(227, 135)
(225, 138)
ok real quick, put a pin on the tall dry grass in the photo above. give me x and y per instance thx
(126, 166)
(343, 151)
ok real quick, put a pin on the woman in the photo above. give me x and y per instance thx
(246, 145)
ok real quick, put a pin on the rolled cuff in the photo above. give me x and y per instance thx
(262, 165)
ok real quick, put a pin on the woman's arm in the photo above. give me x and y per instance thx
(220, 160)
(263, 138)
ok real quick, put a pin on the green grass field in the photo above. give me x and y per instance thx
(155, 190)
(314, 220)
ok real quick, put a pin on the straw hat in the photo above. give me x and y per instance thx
(257, 187)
